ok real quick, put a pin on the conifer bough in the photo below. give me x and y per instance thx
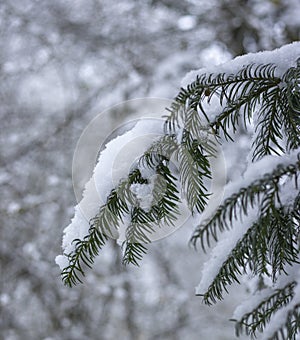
(260, 215)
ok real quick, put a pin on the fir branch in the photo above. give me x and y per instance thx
(272, 242)
(84, 254)
(266, 248)
(166, 195)
(136, 235)
(264, 190)
(194, 168)
(159, 151)
(291, 123)
(291, 327)
(239, 96)
(117, 206)
(163, 211)
(103, 225)
(239, 92)
(257, 319)
(248, 249)
(290, 106)
(133, 253)
(282, 242)
(269, 137)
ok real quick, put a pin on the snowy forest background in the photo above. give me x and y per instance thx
(63, 62)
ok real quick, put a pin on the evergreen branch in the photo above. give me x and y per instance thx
(256, 320)
(163, 211)
(269, 126)
(271, 242)
(241, 90)
(133, 253)
(282, 242)
(291, 123)
(195, 127)
(264, 190)
(291, 106)
(166, 195)
(104, 224)
(243, 93)
(291, 327)
(246, 104)
(159, 151)
(135, 235)
(194, 167)
(85, 252)
(247, 249)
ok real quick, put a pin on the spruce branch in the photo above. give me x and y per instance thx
(143, 223)
(291, 326)
(264, 191)
(119, 202)
(255, 88)
(290, 106)
(84, 254)
(241, 92)
(254, 94)
(268, 246)
(103, 225)
(192, 175)
(257, 319)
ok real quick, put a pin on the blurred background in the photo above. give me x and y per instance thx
(61, 63)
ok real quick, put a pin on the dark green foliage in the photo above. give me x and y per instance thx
(257, 319)
(291, 327)
(143, 223)
(181, 159)
(263, 191)
(84, 254)
(265, 249)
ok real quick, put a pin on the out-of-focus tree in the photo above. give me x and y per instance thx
(253, 25)
(61, 63)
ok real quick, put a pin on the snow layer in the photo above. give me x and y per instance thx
(116, 159)
(249, 304)
(222, 250)
(114, 164)
(279, 318)
(284, 58)
(143, 193)
(230, 238)
(258, 169)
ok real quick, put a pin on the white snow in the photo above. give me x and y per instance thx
(62, 261)
(284, 57)
(257, 297)
(222, 249)
(116, 160)
(143, 193)
(118, 157)
(258, 169)
(280, 316)
(231, 237)
(251, 303)
(114, 164)
(187, 22)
